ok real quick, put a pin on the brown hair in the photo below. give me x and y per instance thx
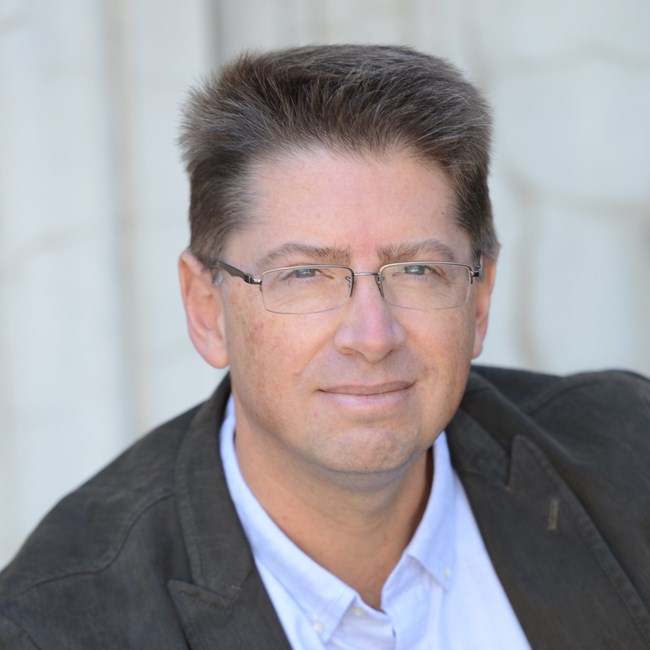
(349, 98)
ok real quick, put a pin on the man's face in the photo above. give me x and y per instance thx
(365, 388)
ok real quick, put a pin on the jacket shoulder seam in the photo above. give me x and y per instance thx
(102, 563)
(23, 633)
(571, 384)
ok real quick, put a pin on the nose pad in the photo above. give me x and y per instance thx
(380, 286)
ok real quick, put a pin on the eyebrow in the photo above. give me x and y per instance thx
(432, 249)
(308, 252)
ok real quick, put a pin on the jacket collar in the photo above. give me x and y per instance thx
(222, 567)
(565, 585)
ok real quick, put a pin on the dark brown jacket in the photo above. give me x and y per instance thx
(150, 553)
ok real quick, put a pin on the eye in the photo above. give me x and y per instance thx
(424, 271)
(417, 269)
(421, 272)
(303, 273)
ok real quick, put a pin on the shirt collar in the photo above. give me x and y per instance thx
(323, 595)
(433, 543)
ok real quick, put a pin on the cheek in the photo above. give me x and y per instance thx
(250, 343)
(454, 350)
(465, 329)
(270, 350)
(446, 341)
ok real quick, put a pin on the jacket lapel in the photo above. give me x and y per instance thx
(564, 584)
(212, 621)
(225, 606)
(566, 587)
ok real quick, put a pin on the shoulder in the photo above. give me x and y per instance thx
(579, 443)
(85, 531)
(594, 428)
(577, 400)
(101, 560)
(532, 390)
(594, 409)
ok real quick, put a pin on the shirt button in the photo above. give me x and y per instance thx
(358, 612)
(447, 572)
(318, 627)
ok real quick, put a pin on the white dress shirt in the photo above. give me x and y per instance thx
(443, 593)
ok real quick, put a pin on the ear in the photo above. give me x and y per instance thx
(204, 310)
(484, 289)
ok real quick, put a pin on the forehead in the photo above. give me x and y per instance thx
(351, 205)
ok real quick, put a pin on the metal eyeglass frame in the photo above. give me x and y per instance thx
(250, 279)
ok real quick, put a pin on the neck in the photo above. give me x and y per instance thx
(356, 527)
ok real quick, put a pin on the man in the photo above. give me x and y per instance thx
(353, 483)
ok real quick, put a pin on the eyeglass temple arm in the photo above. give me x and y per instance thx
(478, 269)
(231, 270)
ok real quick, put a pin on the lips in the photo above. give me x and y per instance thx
(372, 389)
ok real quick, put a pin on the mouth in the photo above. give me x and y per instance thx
(369, 400)
(368, 390)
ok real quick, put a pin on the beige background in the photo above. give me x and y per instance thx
(93, 349)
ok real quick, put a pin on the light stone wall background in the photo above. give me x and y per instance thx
(93, 349)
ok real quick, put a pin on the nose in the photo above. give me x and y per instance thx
(368, 326)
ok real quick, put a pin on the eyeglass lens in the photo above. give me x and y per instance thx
(318, 288)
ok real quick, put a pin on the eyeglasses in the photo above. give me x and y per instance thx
(315, 288)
